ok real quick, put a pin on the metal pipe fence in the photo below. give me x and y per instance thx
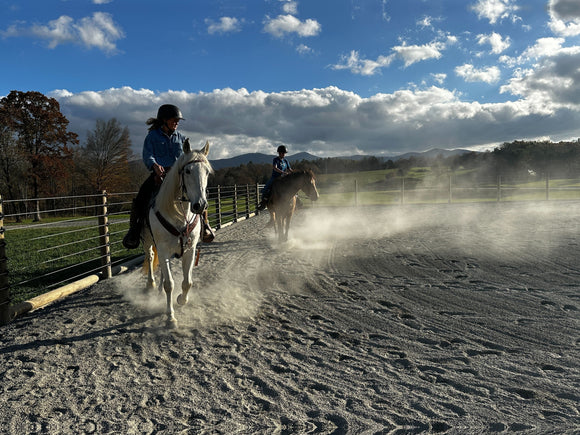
(447, 190)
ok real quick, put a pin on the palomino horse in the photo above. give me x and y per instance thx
(175, 224)
(282, 200)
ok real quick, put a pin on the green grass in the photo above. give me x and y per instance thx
(41, 257)
(422, 185)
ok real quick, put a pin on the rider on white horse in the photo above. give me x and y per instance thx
(161, 149)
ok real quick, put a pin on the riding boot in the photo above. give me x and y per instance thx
(208, 232)
(133, 237)
(263, 203)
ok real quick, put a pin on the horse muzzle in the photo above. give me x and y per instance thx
(199, 206)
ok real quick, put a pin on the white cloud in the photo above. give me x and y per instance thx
(416, 53)
(426, 21)
(304, 49)
(565, 17)
(543, 47)
(565, 9)
(328, 121)
(364, 67)
(290, 7)
(409, 54)
(224, 25)
(439, 78)
(386, 17)
(497, 42)
(97, 31)
(286, 24)
(471, 74)
(554, 81)
(494, 10)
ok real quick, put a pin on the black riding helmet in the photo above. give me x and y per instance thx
(168, 111)
(282, 149)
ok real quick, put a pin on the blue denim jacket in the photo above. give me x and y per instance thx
(162, 149)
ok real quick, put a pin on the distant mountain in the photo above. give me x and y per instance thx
(259, 158)
(434, 152)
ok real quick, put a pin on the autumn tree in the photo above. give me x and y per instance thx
(12, 164)
(105, 158)
(39, 130)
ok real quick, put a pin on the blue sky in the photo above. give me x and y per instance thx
(330, 77)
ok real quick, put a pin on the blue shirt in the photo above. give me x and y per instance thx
(162, 149)
(281, 164)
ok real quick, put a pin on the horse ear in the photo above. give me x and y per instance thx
(186, 146)
(205, 149)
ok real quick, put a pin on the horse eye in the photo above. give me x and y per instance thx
(187, 171)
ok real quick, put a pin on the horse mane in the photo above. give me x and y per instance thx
(171, 187)
(299, 173)
(280, 182)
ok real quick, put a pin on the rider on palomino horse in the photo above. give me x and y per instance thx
(280, 167)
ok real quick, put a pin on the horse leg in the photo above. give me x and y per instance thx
(288, 217)
(150, 263)
(287, 226)
(168, 285)
(187, 267)
(280, 227)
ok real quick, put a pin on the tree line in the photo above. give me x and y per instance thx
(516, 160)
(40, 157)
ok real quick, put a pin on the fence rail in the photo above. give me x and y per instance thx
(350, 192)
(50, 242)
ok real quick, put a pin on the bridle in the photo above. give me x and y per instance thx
(184, 197)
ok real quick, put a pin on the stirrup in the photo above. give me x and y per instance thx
(208, 233)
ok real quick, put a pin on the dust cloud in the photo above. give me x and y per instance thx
(233, 279)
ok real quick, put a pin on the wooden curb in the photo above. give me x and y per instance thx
(61, 292)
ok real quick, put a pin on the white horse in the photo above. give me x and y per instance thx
(175, 224)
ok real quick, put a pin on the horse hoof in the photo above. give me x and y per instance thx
(181, 300)
(171, 324)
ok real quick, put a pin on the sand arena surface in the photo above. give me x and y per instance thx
(415, 319)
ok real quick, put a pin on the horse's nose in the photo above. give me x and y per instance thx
(199, 207)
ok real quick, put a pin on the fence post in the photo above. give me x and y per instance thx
(355, 192)
(247, 201)
(547, 186)
(219, 207)
(450, 197)
(402, 190)
(498, 188)
(104, 237)
(257, 197)
(4, 287)
(235, 202)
